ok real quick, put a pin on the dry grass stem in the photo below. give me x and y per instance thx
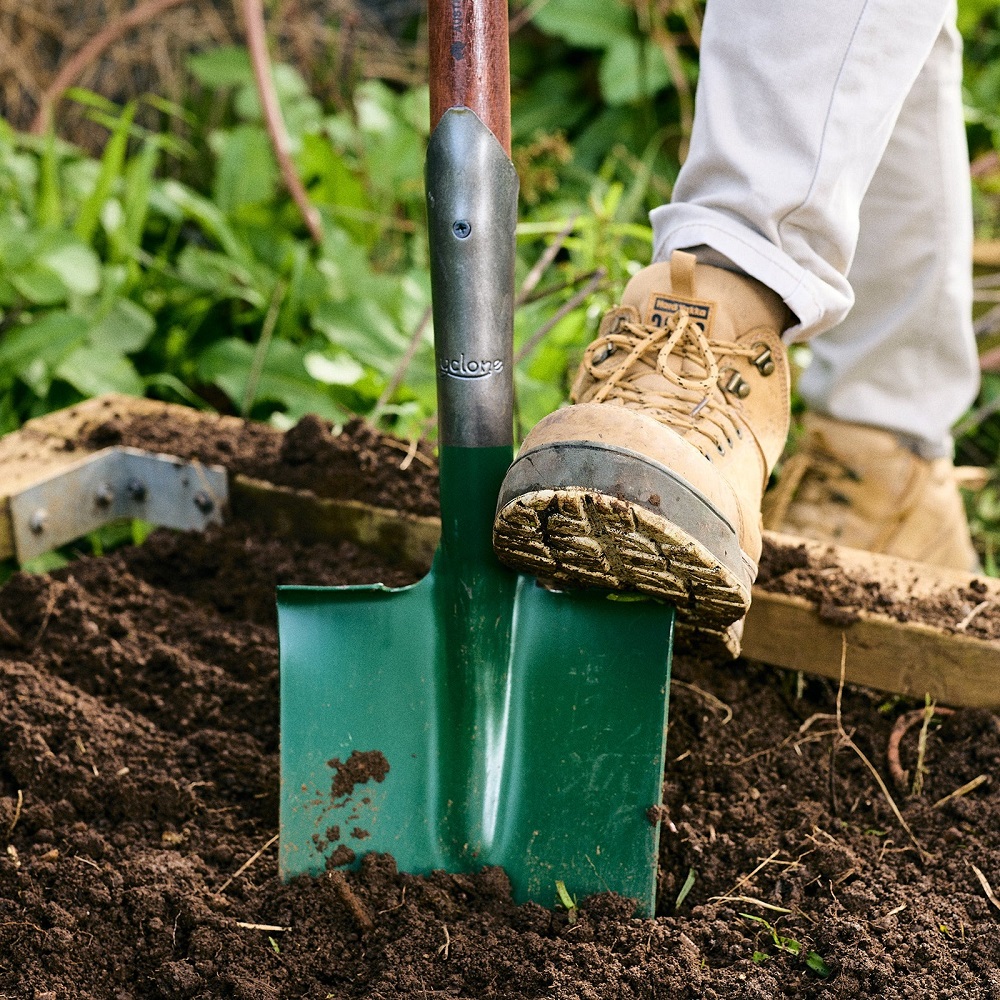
(404, 363)
(91, 52)
(261, 927)
(17, 813)
(969, 786)
(549, 254)
(746, 878)
(752, 901)
(713, 701)
(243, 867)
(964, 623)
(848, 741)
(596, 279)
(921, 769)
(987, 888)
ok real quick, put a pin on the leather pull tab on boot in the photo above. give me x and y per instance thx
(682, 273)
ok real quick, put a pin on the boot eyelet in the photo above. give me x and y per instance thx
(729, 441)
(739, 434)
(604, 355)
(736, 385)
(764, 362)
(720, 449)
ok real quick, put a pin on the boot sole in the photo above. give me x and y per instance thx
(636, 526)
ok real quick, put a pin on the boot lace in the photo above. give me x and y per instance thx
(695, 402)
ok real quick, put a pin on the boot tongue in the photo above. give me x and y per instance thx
(661, 290)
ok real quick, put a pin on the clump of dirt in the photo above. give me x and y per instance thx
(841, 598)
(357, 463)
(361, 767)
(139, 806)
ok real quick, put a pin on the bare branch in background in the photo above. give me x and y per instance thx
(596, 279)
(253, 14)
(91, 52)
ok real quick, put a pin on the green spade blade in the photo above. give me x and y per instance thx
(521, 728)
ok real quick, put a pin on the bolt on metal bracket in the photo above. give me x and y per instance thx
(113, 484)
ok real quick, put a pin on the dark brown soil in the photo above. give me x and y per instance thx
(356, 464)
(840, 597)
(138, 797)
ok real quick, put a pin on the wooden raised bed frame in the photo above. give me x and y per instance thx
(911, 658)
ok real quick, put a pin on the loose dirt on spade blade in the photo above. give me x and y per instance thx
(138, 810)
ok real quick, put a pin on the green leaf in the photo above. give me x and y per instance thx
(40, 286)
(49, 207)
(363, 329)
(31, 351)
(226, 66)
(283, 380)
(97, 370)
(816, 963)
(126, 328)
(584, 22)
(686, 887)
(246, 172)
(75, 264)
(112, 162)
(631, 70)
(760, 957)
(339, 370)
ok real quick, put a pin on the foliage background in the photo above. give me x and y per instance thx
(159, 253)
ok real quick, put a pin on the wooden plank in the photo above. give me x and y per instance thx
(910, 657)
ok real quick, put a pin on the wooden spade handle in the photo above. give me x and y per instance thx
(470, 61)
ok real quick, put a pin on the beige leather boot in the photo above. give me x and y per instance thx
(859, 486)
(652, 481)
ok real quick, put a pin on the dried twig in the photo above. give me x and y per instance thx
(541, 265)
(261, 927)
(358, 911)
(596, 278)
(91, 52)
(848, 741)
(987, 888)
(243, 867)
(750, 899)
(969, 786)
(404, 363)
(964, 623)
(253, 14)
(713, 702)
(524, 15)
(54, 591)
(17, 814)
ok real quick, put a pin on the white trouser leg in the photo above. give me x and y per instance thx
(905, 358)
(795, 106)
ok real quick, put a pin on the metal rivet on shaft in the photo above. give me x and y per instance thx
(104, 495)
(462, 229)
(137, 490)
(36, 523)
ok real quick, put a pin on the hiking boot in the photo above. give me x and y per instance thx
(652, 481)
(862, 487)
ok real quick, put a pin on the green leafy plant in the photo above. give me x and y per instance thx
(813, 960)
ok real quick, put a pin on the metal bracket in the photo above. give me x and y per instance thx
(113, 484)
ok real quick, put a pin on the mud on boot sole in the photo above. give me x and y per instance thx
(637, 527)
